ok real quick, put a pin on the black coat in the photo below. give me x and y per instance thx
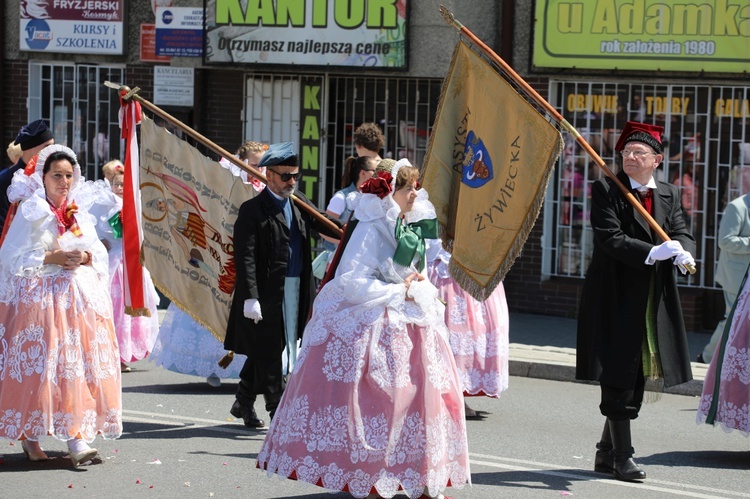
(261, 253)
(612, 312)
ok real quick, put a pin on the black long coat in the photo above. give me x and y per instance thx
(612, 312)
(261, 254)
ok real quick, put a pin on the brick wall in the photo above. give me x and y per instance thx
(15, 76)
(222, 94)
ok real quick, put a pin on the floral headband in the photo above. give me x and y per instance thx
(380, 185)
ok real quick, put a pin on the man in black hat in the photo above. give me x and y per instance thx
(32, 138)
(630, 324)
(274, 286)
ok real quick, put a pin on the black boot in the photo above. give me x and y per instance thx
(624, 468)
(604, 462)
(243, 407)
(272, 403)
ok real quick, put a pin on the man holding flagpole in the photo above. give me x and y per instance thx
(273, 293)
(630, 324)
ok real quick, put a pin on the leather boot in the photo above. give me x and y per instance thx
(604, 462)
(272, 403)
(243, 407)
(624, 467)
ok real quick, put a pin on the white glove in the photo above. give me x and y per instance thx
(664, 251)
(684, 259)
(251, 309)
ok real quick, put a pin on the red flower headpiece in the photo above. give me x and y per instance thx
(380, 185)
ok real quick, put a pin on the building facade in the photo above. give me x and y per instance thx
(266, 76)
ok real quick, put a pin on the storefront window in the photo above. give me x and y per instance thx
(706, 155)
(80, 110)
(403, 107)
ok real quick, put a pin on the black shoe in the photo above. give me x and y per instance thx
(700, 359)
(248, 415)
(628, 471)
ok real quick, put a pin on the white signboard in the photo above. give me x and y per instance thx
(173, 86)
(70, 26)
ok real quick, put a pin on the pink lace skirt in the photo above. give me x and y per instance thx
(135, 335)
(478, 336)
(372, 408)
(59, 362)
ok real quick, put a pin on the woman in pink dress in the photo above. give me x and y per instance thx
(374, 404)
(726, 389)
(136, 335)
(59, 370)
(478, 331)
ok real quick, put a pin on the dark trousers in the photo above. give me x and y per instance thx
(619, 404)
(252, 384)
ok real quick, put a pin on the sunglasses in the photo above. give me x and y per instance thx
(286, 177)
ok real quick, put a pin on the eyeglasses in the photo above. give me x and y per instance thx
(636, 154)
(286, 177)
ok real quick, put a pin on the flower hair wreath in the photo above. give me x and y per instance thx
(380, 185)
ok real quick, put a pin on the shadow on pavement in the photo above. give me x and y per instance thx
(552, 480)
(730, 460)
(201, 388)
(148, 431)
(17, 463)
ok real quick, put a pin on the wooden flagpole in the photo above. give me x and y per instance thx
(133, 94)
(541, 101)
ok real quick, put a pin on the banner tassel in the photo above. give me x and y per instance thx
(226, 360)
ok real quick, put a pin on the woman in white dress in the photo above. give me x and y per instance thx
(374, 404)
(59, 372)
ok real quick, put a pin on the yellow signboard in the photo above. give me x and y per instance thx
(659, 35)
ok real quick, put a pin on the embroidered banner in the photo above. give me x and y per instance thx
(486, 170)
(189, 204)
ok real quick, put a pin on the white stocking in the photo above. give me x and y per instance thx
(77, 445)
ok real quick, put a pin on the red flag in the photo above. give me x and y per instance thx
(132, 233)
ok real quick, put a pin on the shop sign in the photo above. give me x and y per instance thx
(359, 33)
(613, 104)
(148, 45)
(173, 86)
(311, 120)
(179, 31)
(656, 35)
(732, 108)
(72, 26)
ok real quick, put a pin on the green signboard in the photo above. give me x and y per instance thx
(351, 33)
(658, 35)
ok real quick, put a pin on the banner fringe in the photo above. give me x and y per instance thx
(165, 291)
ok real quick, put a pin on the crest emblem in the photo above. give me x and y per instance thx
(477, 164)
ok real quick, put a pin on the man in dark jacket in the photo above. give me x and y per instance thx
(630, 324)
(274, 287)
(33, 137)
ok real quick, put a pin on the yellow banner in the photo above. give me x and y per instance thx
(486, 170)
(658, 35)
(189, 207)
